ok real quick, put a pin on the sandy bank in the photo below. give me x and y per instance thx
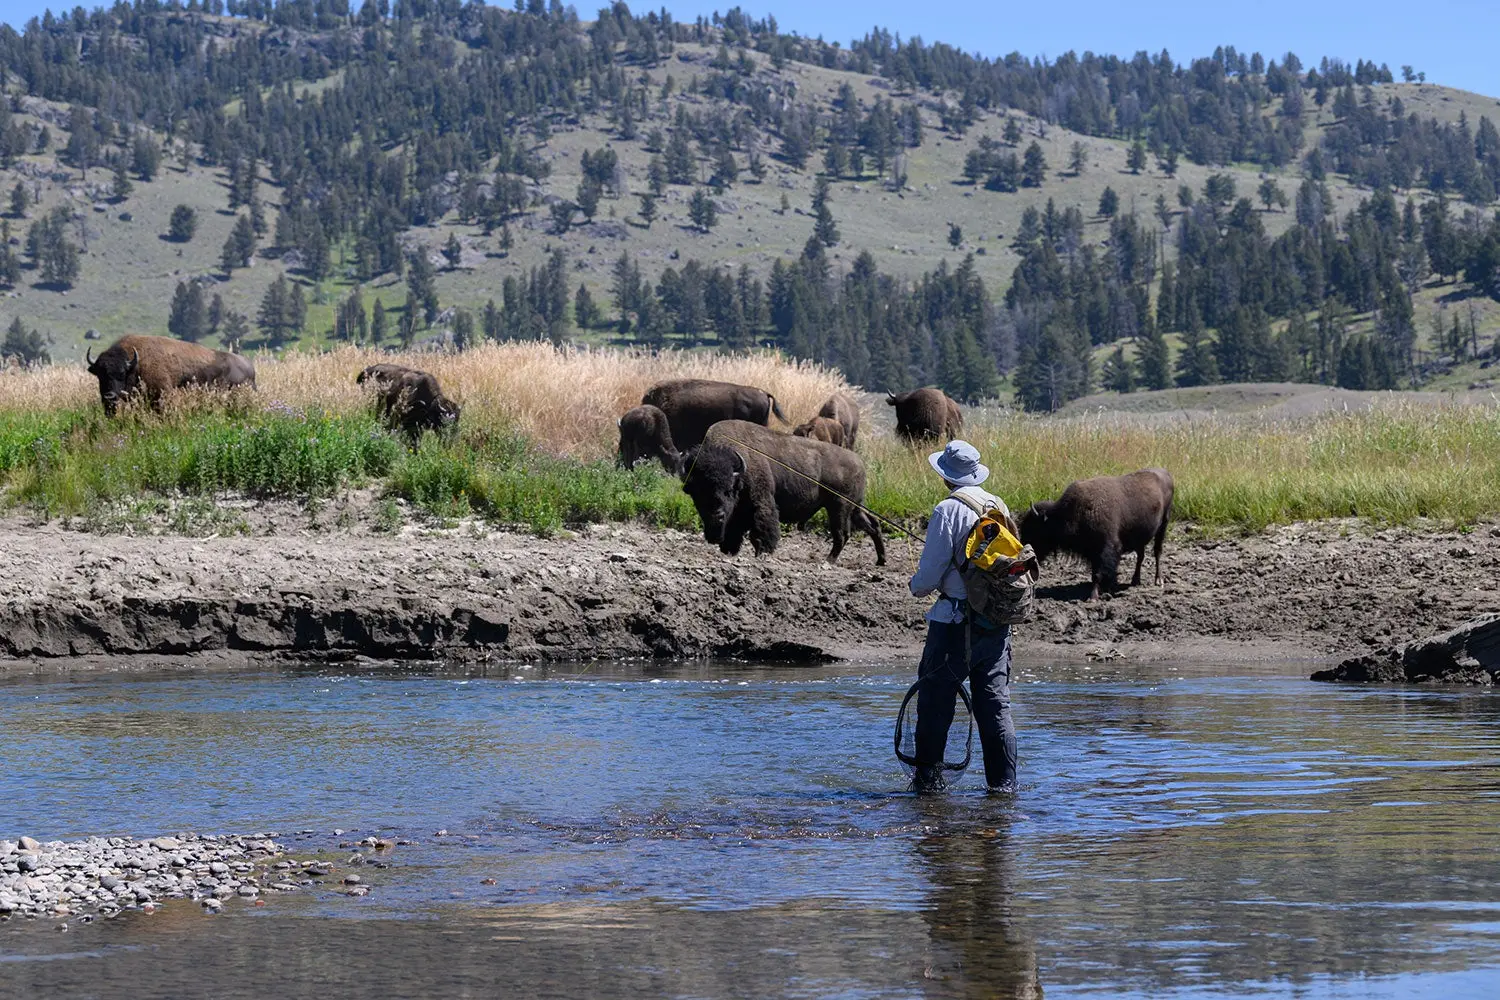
(70, 598)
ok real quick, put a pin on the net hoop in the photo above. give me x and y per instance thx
(912, 762)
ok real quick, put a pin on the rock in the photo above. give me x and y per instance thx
(357, 890)
(1469, 654)
(352, 880)
(218, 868)
(167, 843)
(27, 863)
(212, 905)
(29, 844)
(109, 882)
(248, 891)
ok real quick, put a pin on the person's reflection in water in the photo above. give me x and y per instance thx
(978, 945)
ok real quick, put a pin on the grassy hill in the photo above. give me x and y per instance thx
(129, 269)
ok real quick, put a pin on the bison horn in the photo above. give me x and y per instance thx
(88, 357)
(135, 360)
(739, 462)
(1037, 512)
(889, 394)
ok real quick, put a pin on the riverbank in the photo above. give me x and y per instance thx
(77, 600)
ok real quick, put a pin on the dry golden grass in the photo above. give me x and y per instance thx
(566, 401)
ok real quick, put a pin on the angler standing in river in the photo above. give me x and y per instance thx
(960, 643)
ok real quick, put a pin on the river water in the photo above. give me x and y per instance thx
(724, 830)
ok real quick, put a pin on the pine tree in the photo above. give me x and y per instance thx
(702, 211)
(463, 330)
(1135, 160)
(453, 251)
(236, 329)
(1034, 166)
(29, 347)
(955, 235)
(1109, 202)
(183, 224)
(272, 317)
(189, 315)
(492, 322)
(648, 208)
(378, 323)
(1078, 159)
(585, 313)
(825, 230)
(239, 246)
(1196, 364)
(121, 187)
(1118, 374)
(19, 200)
(421, 286)
(1153, 361)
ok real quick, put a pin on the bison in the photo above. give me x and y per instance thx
(382, 375)
(843, 409)
(644, 435)
(139, 364)
(822, 429)
(926, 415)
(414, 402)
(735, 495)
(1101, 519)
(807, 476)
(694, 405)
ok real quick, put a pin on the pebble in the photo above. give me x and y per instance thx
(107, 874)
(352, 880)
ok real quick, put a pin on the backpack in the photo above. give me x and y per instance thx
(998, 571)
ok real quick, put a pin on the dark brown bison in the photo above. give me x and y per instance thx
(843, 409)
(382, 375)
(808, 476)
(139, 364)
(822, 429)
(1101, 519)
(694, 405)
(735, 495)
(926, 415)
(414, 402)
(644, 435)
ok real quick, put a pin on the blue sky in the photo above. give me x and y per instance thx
(1453, 41)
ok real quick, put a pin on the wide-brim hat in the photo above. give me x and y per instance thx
(959, 464)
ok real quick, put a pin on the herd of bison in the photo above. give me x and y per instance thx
(745, 479)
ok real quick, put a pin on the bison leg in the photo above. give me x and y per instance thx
(864, 522)
(1140, 557)
(1106, 571)
(1161, 535)
(765, 526)
(838, 526)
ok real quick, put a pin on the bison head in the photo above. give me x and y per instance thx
(714, 477)
(119, 376)
(1039, 528)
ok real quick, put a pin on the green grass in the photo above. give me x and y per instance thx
(1391, 465)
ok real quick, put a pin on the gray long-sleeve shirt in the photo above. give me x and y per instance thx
(943, 551)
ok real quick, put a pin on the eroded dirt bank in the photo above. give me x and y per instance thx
(1306, 591)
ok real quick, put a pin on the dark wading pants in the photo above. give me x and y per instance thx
(988, 671)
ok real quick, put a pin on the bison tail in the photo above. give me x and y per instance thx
(776, 409)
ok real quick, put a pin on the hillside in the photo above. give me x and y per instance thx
(130, 269)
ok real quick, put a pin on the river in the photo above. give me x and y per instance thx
(727, 830)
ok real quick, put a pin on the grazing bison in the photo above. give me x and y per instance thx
(694, 405)
(808, 476)
(735, 495)
(822, 429)
(382, 375)
(843, 409)
(925, 415)
(414, 402)
(1101, 519)
(644, 435)
(137, 364)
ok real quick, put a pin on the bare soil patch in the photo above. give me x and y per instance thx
(288, 590)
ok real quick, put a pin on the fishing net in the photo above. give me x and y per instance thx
(957, 752)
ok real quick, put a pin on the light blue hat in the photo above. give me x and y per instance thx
(959, 464)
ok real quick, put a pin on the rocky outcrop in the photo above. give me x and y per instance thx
(1469, 654)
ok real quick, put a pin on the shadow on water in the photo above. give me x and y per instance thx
(712, 829)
